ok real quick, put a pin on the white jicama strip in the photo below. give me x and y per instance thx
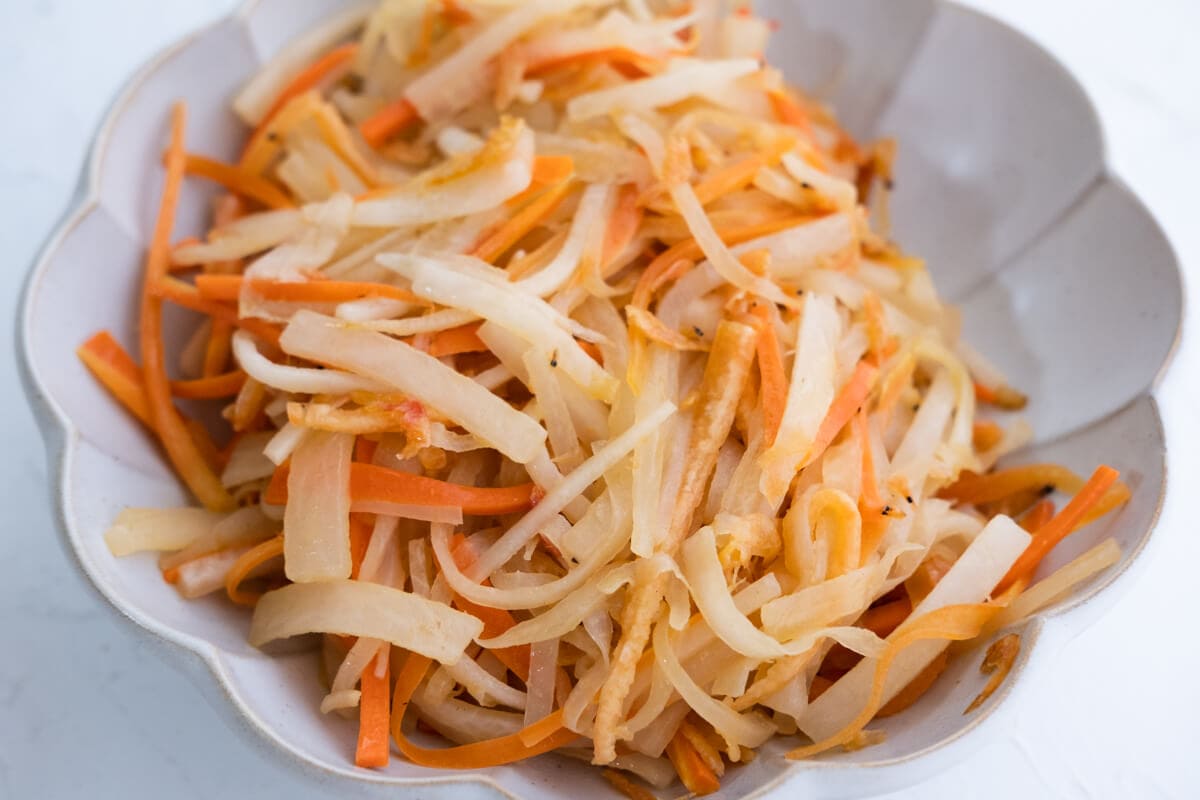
(450, 515)
(715, 250)
(737, 729)
(970, 580)
(503, 168)
(392, 362)
(456, 81)
(486, 689)
(545, 473)
(529, 318)
(590, 217)
(326, 225)
(843, 193)
(1057, 584)
(370, 309)
(914, 457)
(460, 721)
(362, 653)
(543, 662)
(284, 443)
(356, 608)
(809, 396)
(706, 580)
(256, 97)
(245, 526)
(428, 323)
(317, 515)
(336, 701)
(206, 575)
(795, 250)
(247, 462)
(607, 531)
(161, 529)
(381, 546)
(684, 80)
(553, 406)
(243, 237)
(565, 616)
(516, 537)
(582, 697)
(301, 380)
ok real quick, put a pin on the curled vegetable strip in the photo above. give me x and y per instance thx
(369, 610)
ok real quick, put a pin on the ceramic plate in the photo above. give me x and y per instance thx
(1063, 278)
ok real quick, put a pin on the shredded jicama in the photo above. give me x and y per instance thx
(559, 349)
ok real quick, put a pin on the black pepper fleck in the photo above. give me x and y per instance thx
(554, 362)
(696, 329)
(1048, 489)
(908, 497)
(806, 185)
(889, 184)
(886, 510)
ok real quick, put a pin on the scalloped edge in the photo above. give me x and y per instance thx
(202, 661)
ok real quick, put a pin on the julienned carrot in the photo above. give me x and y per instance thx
(845, 406)
(688, 249)
(870, 485)
(974, 488)
(495, 620)
(226, 288)
(239, 181)
(373, 714)
(729, 178)
(186, 295)
(497, 242)
(647, 65)
(916, 688)
(364, 449)
(310, 77)
(452, 341)
(986, 434)
(371, 483)
(882, 620)
(1064, 523)
(548, 171)
(693, 772)
(1037, 517)
(389, 121)
(250, 561)
(622, 225)
(789, 112)
(774, 386)
(1003, 397)
(114, 368)
(181, 449)
(547, 734)
(627, 787)
(224, 385)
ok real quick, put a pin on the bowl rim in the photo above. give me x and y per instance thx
(188, 652)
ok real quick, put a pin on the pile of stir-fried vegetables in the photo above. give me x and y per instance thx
(579, 398)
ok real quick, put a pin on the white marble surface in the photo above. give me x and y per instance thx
(88, 711)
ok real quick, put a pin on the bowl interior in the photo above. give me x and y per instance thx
(1065, 282)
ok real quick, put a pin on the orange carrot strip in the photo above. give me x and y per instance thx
(626, 787)
(986, 434)
(371, 483)
(604, 55)
(548, 733)
(498, 242)
(916, 688)
(622, 225)
(774, 385)
(361, 529)
(974, 488)
(729, 178)
(114, 368)
(186, 295)
(695, 774)
(1037, 517)
(373, 715)
(1003, 397)
(870, 485)
(218, 348)
(364, 450)
(882, 620)
(452, 341)
(848, 403)
(1064, 524)
(547, 171)
(209, 388)
(309, 78)
(689, 250)
(238, 181)
(229, 287)
(495, 620)
(181, 448)
(389, 121)
(251, 560)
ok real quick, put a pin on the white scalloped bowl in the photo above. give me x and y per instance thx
(1064, 279)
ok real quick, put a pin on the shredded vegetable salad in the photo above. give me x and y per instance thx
(578, 400)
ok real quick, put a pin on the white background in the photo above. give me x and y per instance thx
(88, 711)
